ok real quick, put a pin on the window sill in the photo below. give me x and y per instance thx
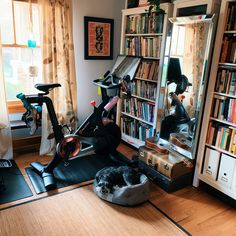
(15, 107)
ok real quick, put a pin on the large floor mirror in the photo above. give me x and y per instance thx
(185, 81)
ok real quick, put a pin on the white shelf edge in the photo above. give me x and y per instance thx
(132, 141)
(152, 58)
(148, 80)
(227, 64)
(228, 191)
(230, 32)
(136, 118)
(143, 34)
(220, 150)
(223, 121)
(224, 95)
(141, 98)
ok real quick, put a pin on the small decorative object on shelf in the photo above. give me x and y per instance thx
(143, 3)
(132, 3)
(216, 162)
(143, 35)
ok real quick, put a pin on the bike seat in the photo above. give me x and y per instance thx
(46, 87)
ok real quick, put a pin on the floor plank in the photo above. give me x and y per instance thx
(194, 209)
(80, 212)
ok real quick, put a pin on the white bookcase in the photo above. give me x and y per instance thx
(216, 159)
(135, 125)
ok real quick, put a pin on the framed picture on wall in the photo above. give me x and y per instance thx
(98, 38)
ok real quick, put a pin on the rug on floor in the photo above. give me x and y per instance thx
(14, 184)
(79, 170)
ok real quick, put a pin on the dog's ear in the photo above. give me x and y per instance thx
(97, 178)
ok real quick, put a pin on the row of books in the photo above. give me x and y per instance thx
(231, 17)
(135, 128)
(228, 51)
(144, 23)
(226, 82)
(143, 46)
(139, 109)
(223, 137)
(224, 109)
(148, 70)
(144, 89)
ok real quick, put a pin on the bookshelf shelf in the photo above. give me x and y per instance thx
(218, 137)
(147, 80)
(221, 150)
(217, 185)
(223, 65)
(223, 122)
(230, 32)
(152, 58)
(225, 95)
(141, 98)
(143, 35)
(136, 118)
(132, 141)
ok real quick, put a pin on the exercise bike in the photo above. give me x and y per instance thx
(97, 133)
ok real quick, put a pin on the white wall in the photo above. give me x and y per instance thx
(88, 70)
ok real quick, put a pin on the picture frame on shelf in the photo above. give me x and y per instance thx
(98, 38)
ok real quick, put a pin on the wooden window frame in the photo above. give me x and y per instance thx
(16, 106)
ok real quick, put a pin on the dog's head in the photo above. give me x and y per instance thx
(103, 185)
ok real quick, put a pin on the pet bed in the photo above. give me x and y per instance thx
(121, 185)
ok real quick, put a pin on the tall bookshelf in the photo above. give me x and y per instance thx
(143, 35)
(216, 162)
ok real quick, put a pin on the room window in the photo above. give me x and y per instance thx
(21, 58)
(178, 40)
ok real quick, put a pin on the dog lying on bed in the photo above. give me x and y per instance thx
(111, 178)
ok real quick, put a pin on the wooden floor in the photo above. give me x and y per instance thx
(80, 212)
(194, 209)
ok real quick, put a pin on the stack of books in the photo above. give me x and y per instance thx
(231, 18)
(139, 109)
(228, 52)
(224, 109)
(144, 89)
(226, 82)
(148, 70)
(144, 24)
(222, 136)
(143, 46)
(135, 129)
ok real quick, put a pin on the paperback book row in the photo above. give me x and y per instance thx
(144, 89)
(136, 129)
(222, 136)
(144, 23)
(139, 109)
(143, 46)
(148, 70)
(228, 52)
(231, 17)
(224, 109)
(226, 82)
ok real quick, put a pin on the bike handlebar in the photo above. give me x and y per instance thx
(26, 104)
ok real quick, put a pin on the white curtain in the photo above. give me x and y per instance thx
(6, 151)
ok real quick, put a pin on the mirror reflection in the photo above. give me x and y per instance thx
(185, 81)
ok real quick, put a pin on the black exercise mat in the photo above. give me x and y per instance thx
(15, 186)
(79, 170)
